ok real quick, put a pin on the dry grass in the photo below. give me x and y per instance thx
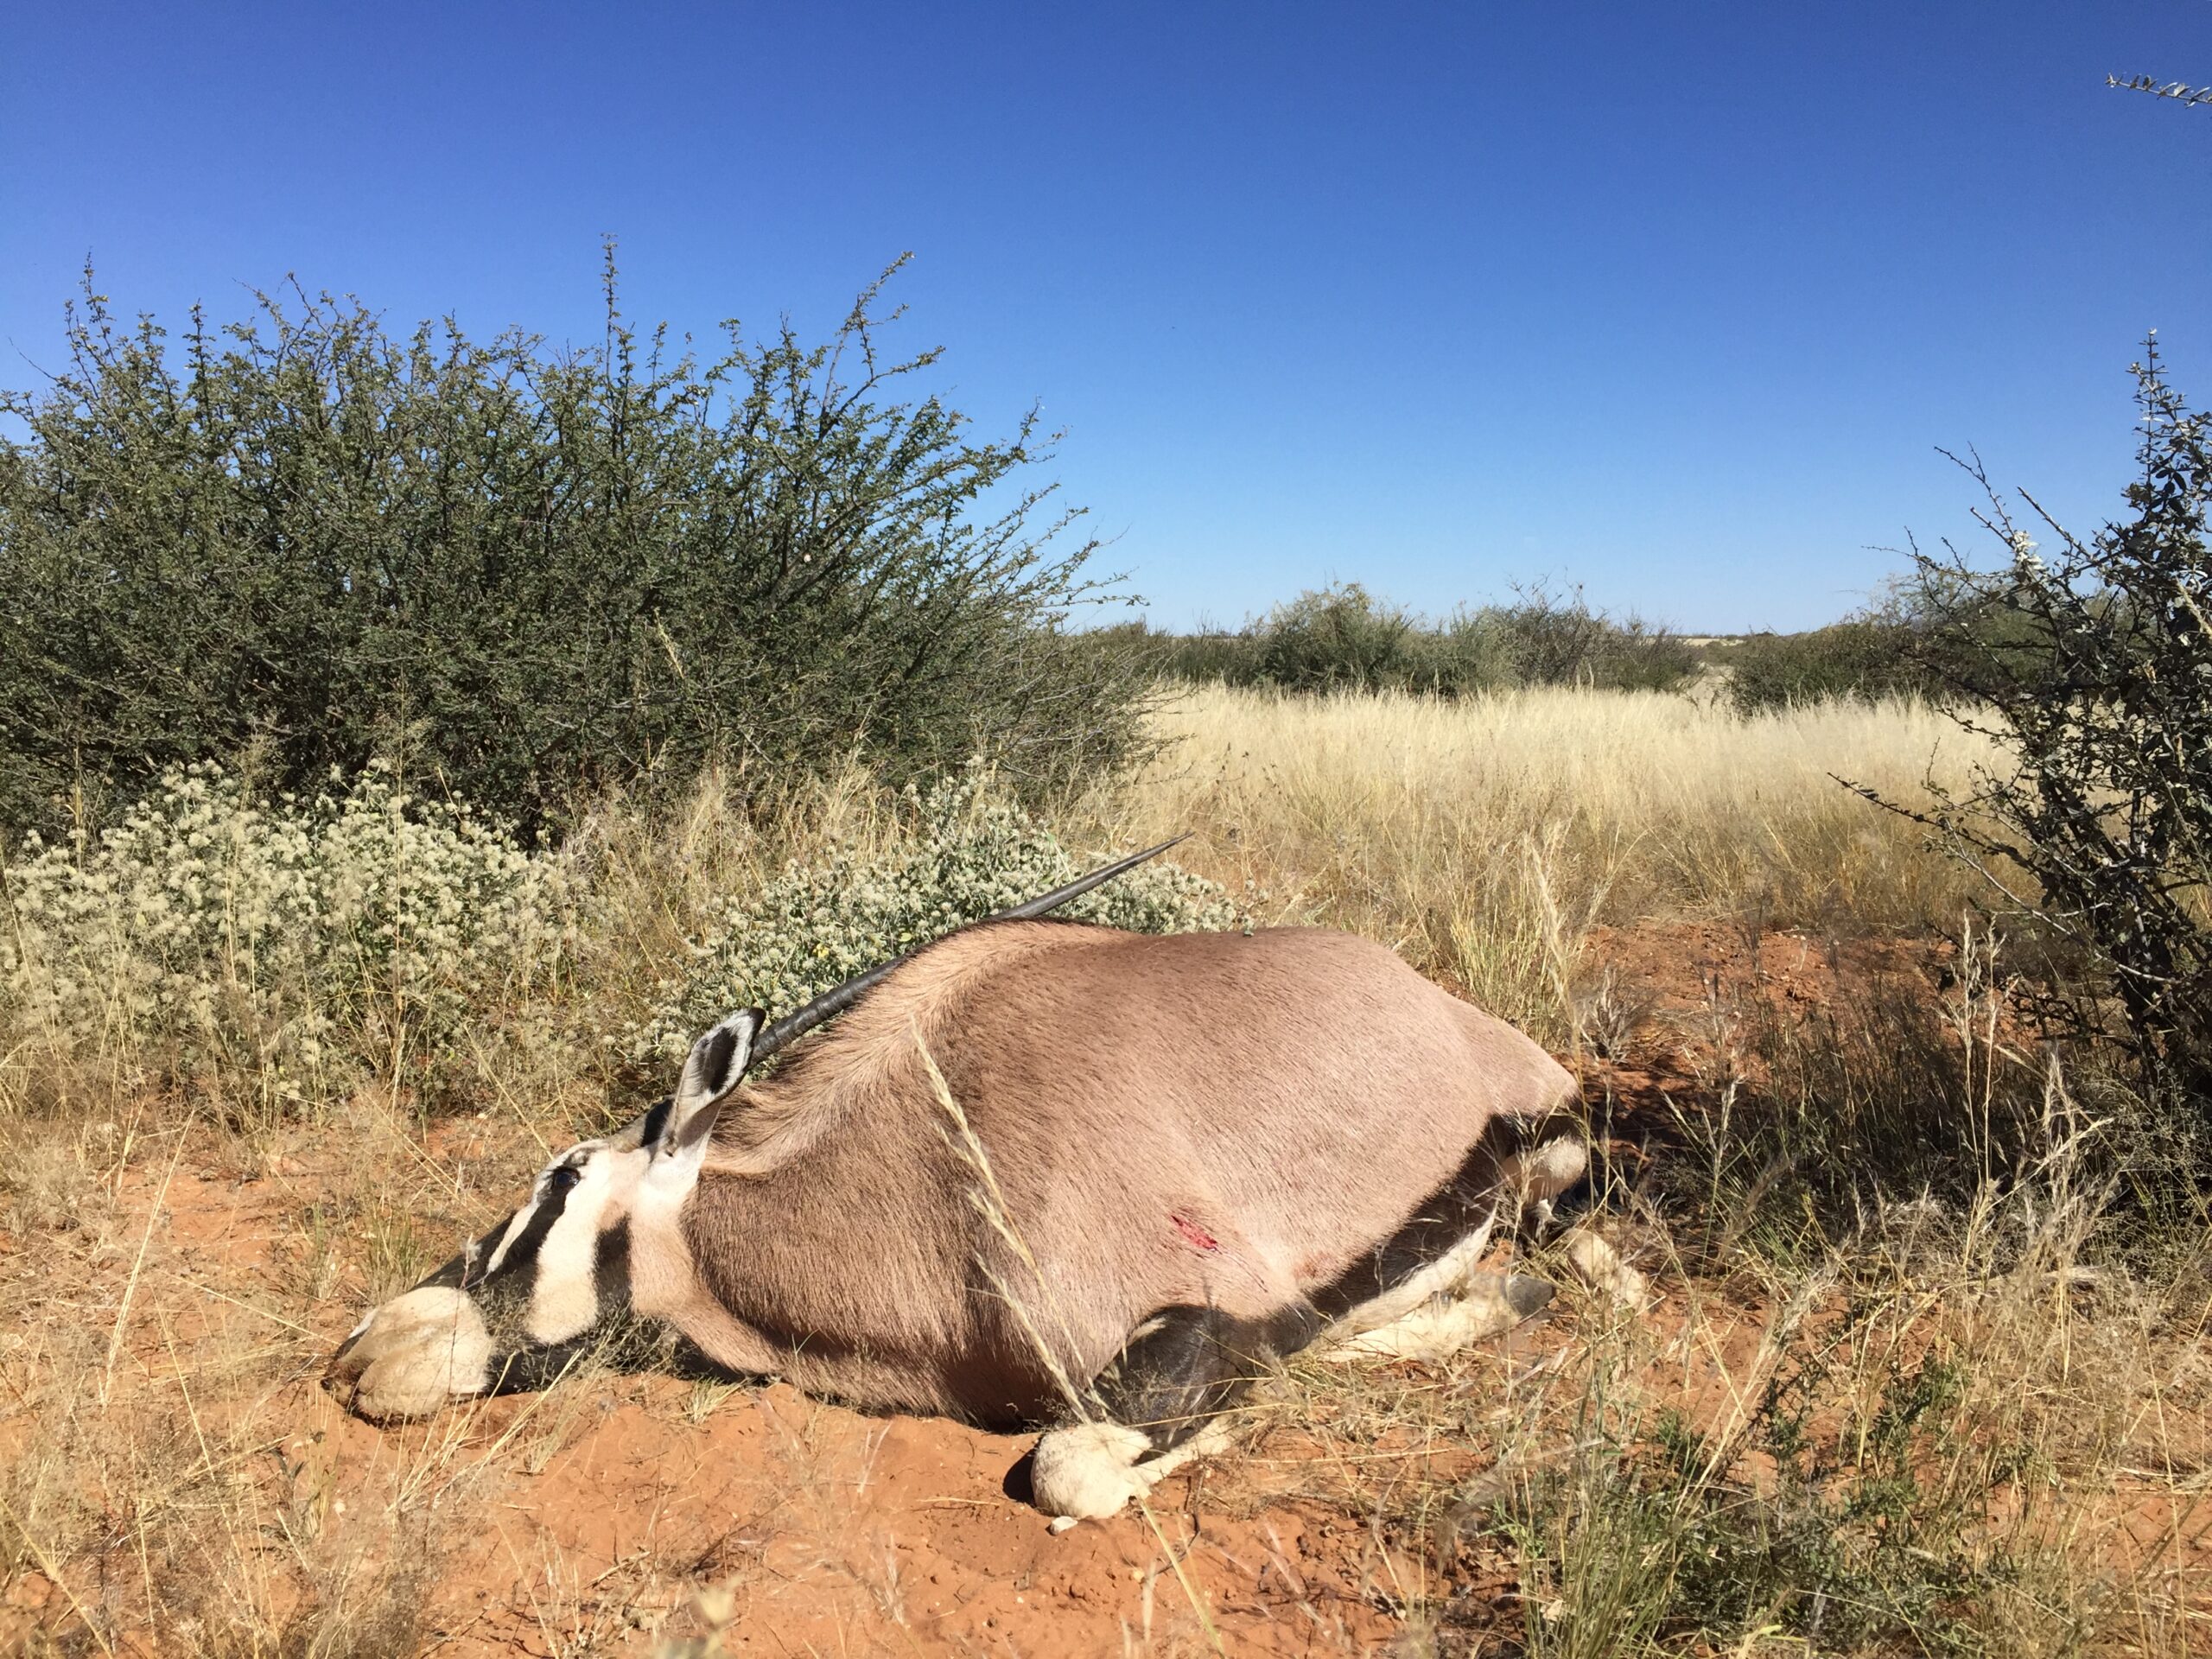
(1963, 1424)
(1377, 809)
(1481, 837)
(1926, 1424)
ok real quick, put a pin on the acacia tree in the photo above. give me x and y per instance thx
(531, 571)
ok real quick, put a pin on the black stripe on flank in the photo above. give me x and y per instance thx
(1447, 1215)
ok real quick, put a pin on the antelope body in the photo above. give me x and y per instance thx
(1040, 1170)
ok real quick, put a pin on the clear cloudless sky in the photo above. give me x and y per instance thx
(1677, 302)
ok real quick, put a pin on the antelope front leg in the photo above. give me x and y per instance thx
(1157, 1407)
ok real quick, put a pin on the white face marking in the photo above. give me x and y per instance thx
(564, 1295)
(432, 1342)
(520, 1220)
(538, 1193)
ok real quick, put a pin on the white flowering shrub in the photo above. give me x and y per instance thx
(816, 925)
(213, 928)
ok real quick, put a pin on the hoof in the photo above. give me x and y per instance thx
(1087, 1471)
(1600, 1266)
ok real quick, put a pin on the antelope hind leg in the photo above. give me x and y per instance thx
(1535, 1175)
(1445, 1305)
(1427, 1297)
(1477, 1306)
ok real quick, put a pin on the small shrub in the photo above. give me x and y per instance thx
(1209, 654)
(816, 925)
(1466, 654)
(1866, 658)
(1552, 640)
(275, 939)
(1345, 638)
(1339, 638)
(2092, 664)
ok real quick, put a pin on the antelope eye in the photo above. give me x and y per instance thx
(564, 1178)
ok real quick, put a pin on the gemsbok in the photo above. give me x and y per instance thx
(1040, 1172)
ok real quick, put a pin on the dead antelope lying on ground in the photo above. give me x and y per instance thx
(1172, 1158)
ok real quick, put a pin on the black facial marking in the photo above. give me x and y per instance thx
(511, 1282)
(528, 1371)
(656, 1121)
(525, 1247)
(610, 1271)
(452, 1276)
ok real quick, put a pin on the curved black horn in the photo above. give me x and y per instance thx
(796, 1024)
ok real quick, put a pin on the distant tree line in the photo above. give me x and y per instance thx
(1882, 653)
(1343, 639)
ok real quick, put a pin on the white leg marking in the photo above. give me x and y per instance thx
(1485, 1304)
(1209, 1441)
(1600, 1266)
(1441, 1277)
(1089, 1470)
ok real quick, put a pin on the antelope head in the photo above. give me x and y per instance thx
(520, 1303)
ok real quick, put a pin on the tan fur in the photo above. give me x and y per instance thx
(1291, 1095)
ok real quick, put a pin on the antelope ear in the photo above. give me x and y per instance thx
(712, 1070)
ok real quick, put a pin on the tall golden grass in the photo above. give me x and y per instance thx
(1479, 835)
(1375, 809)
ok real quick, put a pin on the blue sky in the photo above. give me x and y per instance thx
(1675, 301)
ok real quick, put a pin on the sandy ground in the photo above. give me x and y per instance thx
(625, 1513)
